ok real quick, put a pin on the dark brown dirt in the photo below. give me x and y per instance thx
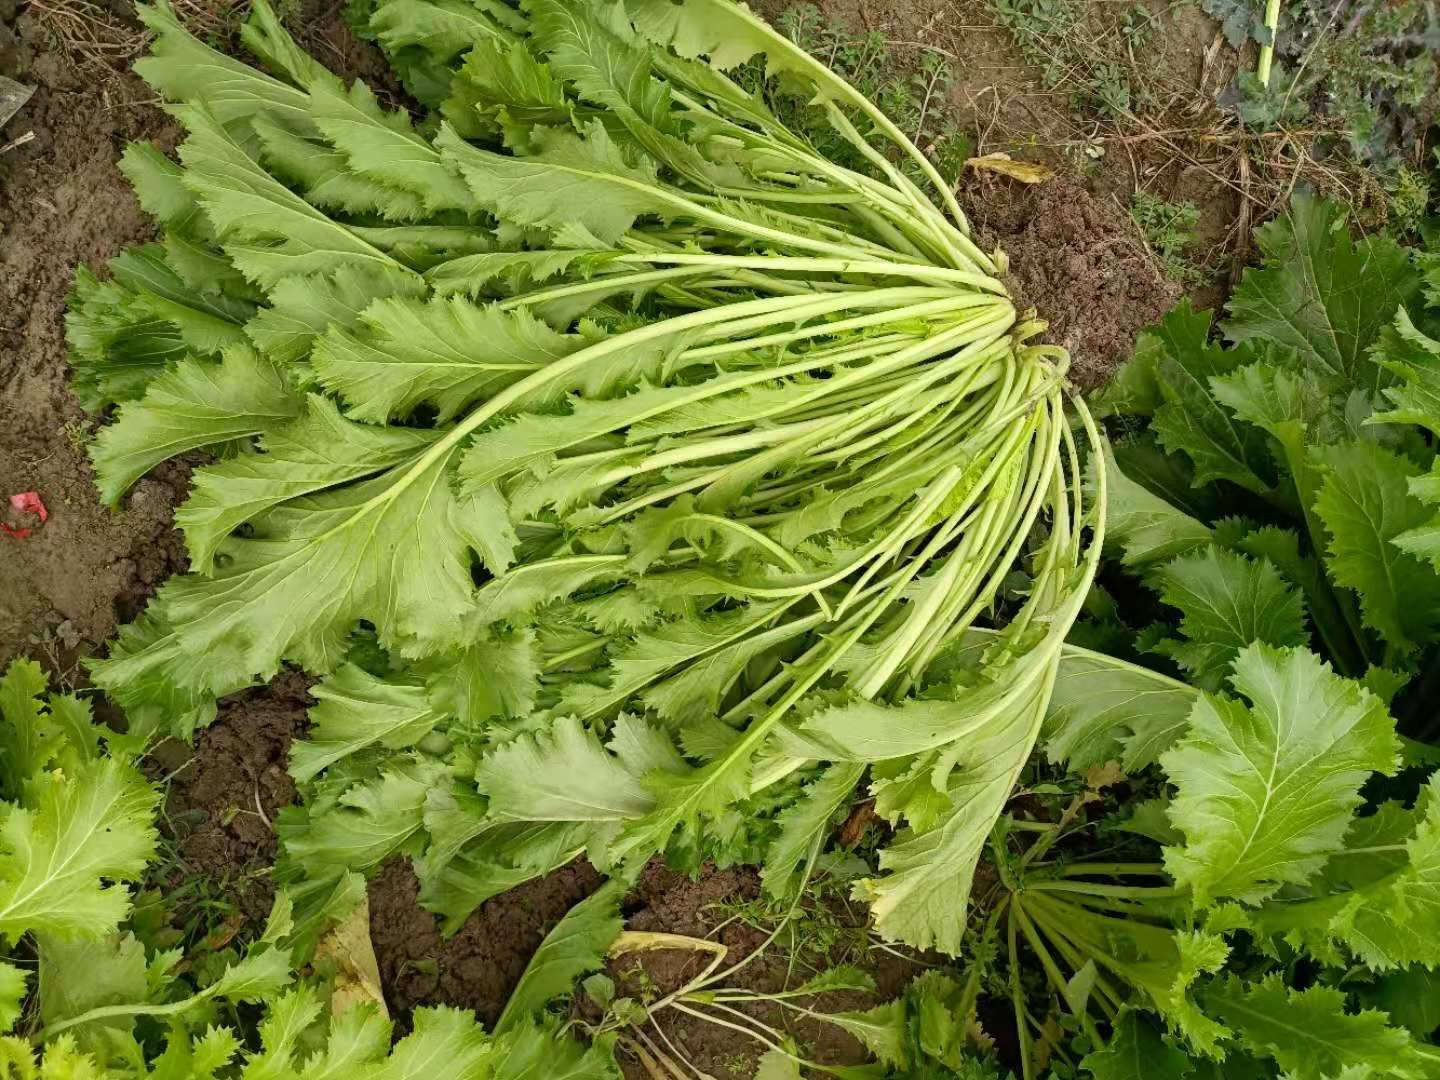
(479, 966)
(1080, 261)
(62, 202)
(223, 794)
(667, 902)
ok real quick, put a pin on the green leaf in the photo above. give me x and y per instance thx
(881, 1029)
(77, 976)
(594, 50)
(267, 230)
(1321, 294)
(491, 679)
(545, 1051)
(28, 736)
(1414, 356)
(126, 331)
(1396, 921)
(1309, 1033)
(1227, 601)
(358, 1035)
(1137, 1051)
(301, 308)
(1367, 508)
(68, 846)
(1412, 998)
(727, 35)
(14, 988)
(286, 1021)
(445, 1044)
(525, 588)
(1281, 401)
(804, 822)
(1380, 897)
(472, 858)
(1265, 790)
(503, 87)
(946, 1013)
(156, 180)
(1105, 709)
(182, 68)
(928, 870)
(443, 28)
(777, 1065)
(1148, 530)
(203, 319)
(260, 974)
(383, 146)
(1191, 421)
(354, 711)
(684, 802)
(415, 352)
(516, 271)
(320, 450)
(839, 977)
(564, 775)
(698, 646)
(577, 945)
(393, 549)
(372, 820)
(192, 405)
(570, 179)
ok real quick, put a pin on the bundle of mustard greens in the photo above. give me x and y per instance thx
(634, 478)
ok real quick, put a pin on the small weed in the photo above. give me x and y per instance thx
(640, 982)
(77, 433)
(1092, 63)
(1409, 200)
(820, 935)
(912, 92)
(1169, 231)
(182, 907)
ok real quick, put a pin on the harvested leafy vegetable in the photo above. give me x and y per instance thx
(635, 476)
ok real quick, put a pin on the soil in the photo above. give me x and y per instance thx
(1079, 260)
(1000, 99)
(479, 966)
(222, 795)
(63, 202)
(668, 902)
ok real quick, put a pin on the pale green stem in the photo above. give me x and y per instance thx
(811, 265)
(1129, 892)
(1267, 51)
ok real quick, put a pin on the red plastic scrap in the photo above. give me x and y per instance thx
(25, 502)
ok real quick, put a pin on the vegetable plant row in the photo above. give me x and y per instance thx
(637, 481)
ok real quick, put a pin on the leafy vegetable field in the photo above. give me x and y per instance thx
(619, 443)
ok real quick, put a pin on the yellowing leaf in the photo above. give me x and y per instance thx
(357, 976)
(1027, 172)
